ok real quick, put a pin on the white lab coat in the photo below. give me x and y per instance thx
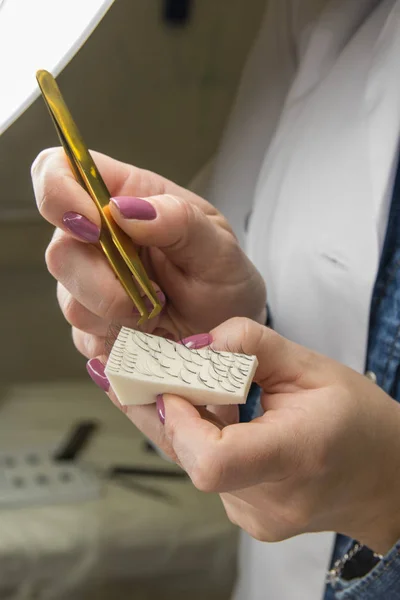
(311, 148)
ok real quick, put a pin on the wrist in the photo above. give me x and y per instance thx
(383, 534)
(382, 529)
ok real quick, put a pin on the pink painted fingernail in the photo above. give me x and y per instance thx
(135, 208)
(81, 227)
(161, 408)
(195, 342)
(96, 371)
(160, 295)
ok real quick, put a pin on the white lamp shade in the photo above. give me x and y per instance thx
(39, 34)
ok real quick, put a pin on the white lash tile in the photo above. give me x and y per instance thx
(141, 366)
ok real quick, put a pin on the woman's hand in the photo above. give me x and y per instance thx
(325, 455)
(188, 248)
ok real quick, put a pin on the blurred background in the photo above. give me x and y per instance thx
(152, 85)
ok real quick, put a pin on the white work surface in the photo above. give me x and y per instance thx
(39, 34)
(123, 545)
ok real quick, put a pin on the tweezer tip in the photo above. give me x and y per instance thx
(156, 311)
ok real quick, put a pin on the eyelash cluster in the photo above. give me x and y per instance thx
(164, 358)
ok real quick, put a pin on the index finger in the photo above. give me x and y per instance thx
(57, 191)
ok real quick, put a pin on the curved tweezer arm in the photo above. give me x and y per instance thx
(116, 245)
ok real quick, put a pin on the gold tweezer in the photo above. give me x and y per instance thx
(117, 246)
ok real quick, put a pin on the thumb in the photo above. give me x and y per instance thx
(222, 459)
(180, 228)
(283, 365)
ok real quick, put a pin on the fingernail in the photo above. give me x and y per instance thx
(195, 342)
(135, 208)
(149, 307)
(81, 227)
(161, 408)
(96, 371)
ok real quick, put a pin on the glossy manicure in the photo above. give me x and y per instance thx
(96, 371)
(135, 208)
(161, 408)
(81, 227)
(195, 342)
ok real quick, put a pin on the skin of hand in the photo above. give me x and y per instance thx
(186, 245)
(325, 453)
(324, 456)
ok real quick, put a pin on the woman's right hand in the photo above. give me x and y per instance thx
(187, 247)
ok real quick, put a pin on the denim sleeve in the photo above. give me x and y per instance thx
(383, 582)
(251, 410)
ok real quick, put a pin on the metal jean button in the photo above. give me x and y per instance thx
(371, 376)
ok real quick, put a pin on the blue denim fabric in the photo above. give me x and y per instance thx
(250, 410)
(382, 583)
(383, 358)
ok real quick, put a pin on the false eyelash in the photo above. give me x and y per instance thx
(125, 364)
(199, 377)
(226, 389)
(195, 353)
(224, 370)
(149, 373)
(158, 349)
(183, 379)
(219, 368)
(224, 357)
(128, 369)
(244, 359)
(162, 365)
(238, 379)
(146, 348)
(235, 384)
(221, 375)
(177, 348)
(190, 370)
(213, 373)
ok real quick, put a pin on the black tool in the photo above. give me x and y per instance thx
(76, 441)
(177, 12)
(146, 472)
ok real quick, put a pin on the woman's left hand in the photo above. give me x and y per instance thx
(324, 456)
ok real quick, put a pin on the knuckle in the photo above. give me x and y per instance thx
(187, 218)
(112, 304)
(40, 161)
(55, 256)
(45, 173)
(73, 312)
(206, 474)
(244, 334)
(246, 326)
(87, 344)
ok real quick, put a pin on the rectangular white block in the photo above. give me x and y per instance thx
(141, 366)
